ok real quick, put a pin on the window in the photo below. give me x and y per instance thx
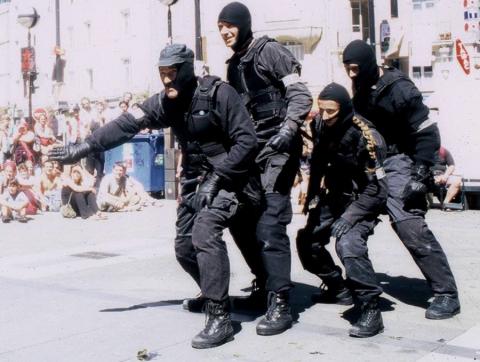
(428, 72)
(90, 78)
(394, 8)
(4, 1)
(297, 49)
(126, 20)
(88, 28)
(127, 72)
(417, 72)
(360, 18)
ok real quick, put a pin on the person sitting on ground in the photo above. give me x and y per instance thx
(119, 192)
(29, 185)
(78, 190)
(9, 173)
(50, 187)
(444, 177)
(14, 203)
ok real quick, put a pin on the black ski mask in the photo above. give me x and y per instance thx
(360, 53)
(180, 57)
(238, 14)
(335, 92)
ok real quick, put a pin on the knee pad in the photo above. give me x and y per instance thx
(350, 246)
(416, 236)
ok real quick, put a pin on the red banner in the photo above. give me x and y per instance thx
(28, 59)
(462, 56)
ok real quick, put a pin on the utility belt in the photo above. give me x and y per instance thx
(266, 105)
(196, 156)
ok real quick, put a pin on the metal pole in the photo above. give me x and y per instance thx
(169, 16)
(57, 20)
(30, 119)
(371, 22)
(198, 32)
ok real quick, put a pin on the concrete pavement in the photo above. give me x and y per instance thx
(75, 290)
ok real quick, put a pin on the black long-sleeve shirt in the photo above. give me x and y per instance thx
(238, 131)
(395, 106)
(352, 181)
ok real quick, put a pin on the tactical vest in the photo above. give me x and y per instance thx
(201, 135)
(378, 108)
(263, 97)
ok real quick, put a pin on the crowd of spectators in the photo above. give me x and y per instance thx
(31, 184)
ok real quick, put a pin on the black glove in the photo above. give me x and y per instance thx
(340, 227)
(207, 191)
(69, 154)
(416, 189)
(282, 141)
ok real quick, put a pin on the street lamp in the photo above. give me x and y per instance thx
(168, 3)
(28, 18)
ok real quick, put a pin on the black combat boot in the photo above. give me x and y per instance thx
(218, 326)
(278, 317)
(257, 300)
(370, 322)
(333, 291)
(195, 305)
(443, 307)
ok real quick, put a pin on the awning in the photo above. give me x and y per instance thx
(309, 36)
(397, 49)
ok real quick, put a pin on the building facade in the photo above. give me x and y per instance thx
(111, 46)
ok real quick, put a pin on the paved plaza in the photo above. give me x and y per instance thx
(75, 290)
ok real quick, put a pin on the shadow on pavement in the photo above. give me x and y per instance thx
(161, 303)
(412, 291)
(301, 298)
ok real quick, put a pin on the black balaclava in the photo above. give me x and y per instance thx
(360, 53)
(180, 57)
(238, 14)
(335, 92)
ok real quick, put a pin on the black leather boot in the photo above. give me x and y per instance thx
(333, 291)
(257, 300)
(278, 317)
(194, 305)
(443, 307)
(370, 322)
(218, 326)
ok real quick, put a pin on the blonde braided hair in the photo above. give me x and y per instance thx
(367, 134)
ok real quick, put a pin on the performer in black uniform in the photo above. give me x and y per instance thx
(346, 193)
(219, 145)
(267, 76)
(390, 100)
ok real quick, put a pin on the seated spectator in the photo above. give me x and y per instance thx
(9, 174)
(22, 143)
(4, 139)
(14, 203)
(119, 192)
(444, 177)
(29, 185)
(123, 106)
(50, 187)
(78, 190)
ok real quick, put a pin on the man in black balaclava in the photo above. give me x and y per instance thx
(347, 151)
(392, 102)
(267, 77)
(218, 151)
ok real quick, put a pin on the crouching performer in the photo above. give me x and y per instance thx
(346, 193)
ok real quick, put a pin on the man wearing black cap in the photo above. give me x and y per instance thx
(267, 76)
(390, 100)
(346, 193)
(218, 145)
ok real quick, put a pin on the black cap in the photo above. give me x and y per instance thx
(175, 54)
